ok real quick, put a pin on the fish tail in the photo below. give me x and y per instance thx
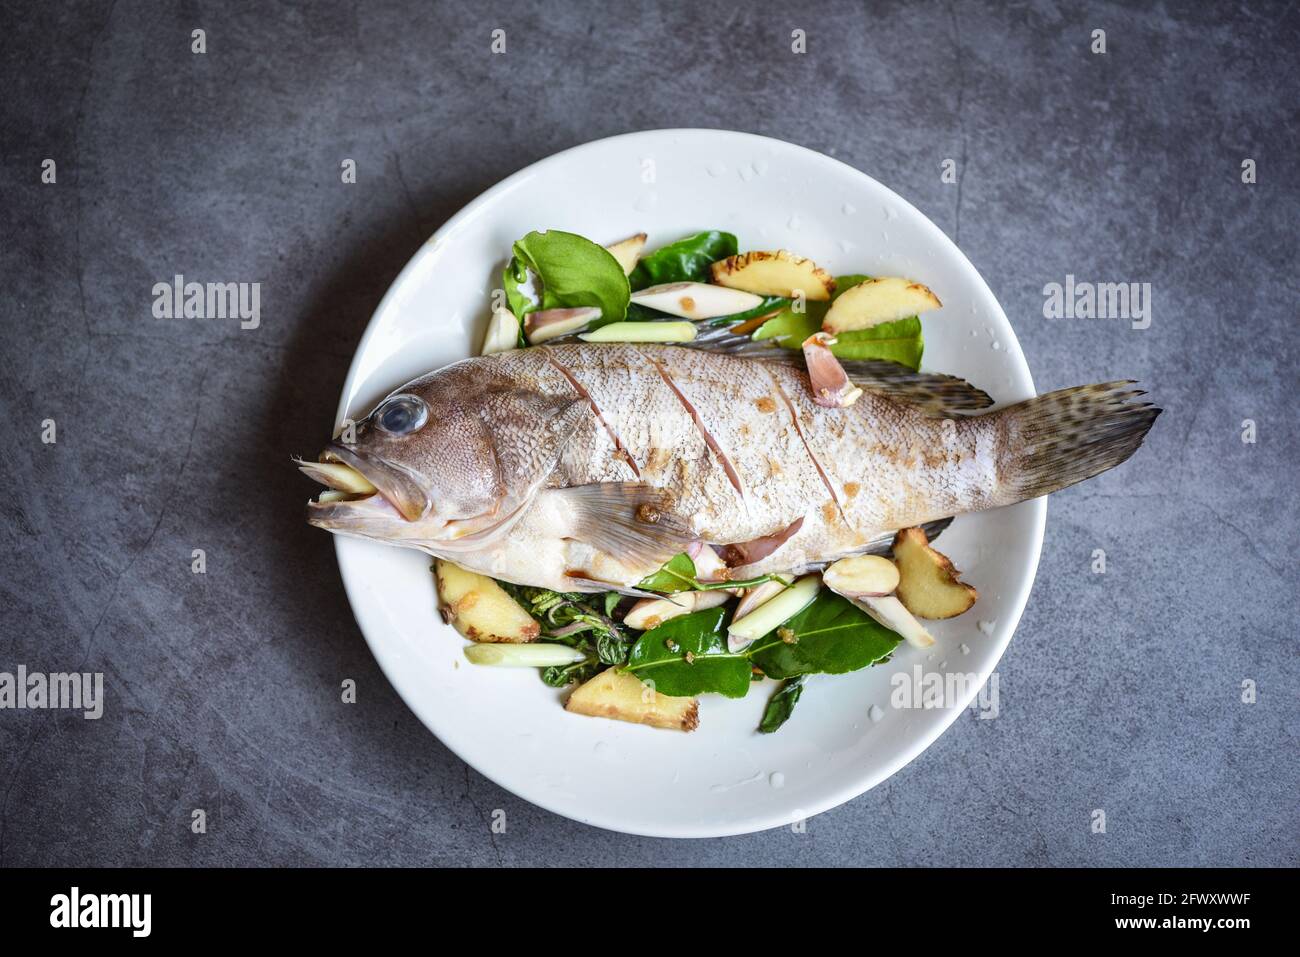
(1061, 438)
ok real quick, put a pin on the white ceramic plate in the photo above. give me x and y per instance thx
(725, 778)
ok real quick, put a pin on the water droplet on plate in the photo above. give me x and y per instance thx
(890, 213)
(776, 779)
(987, 626)
(848, 209)
(876, 713)
(793, 223)
(716, 168)
(760, 166)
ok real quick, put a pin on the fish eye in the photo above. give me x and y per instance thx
(402, 415)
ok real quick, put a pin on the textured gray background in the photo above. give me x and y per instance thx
(1120, 691)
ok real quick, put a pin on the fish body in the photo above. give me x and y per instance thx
(585, 467)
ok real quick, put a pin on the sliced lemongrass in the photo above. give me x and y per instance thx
(337, 475)
(889, 611)
(774, 612)
(696, 300)
(332, 495)
(628, 251)
(759, 595)
(641, 332)
(541, 655)
(502, 332)
(550, 323)
(862, 576)
(651, 612)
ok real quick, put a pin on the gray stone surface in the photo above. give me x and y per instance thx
(1121, 691)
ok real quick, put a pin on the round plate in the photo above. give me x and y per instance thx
(724, 778)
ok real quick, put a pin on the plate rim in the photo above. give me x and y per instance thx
(387, 662)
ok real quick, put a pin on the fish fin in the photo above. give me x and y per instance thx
(1064, 437)
(629, 521)
(882, 544)
(939, 395)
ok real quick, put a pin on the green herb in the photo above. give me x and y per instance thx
(678, 574)
(844, 283)
(573, 271)
(688, 655)
(581, 621)
(687, 260)
(558, 677)
(780, 705)
(830, 636)
(791, 328)
(898, 341)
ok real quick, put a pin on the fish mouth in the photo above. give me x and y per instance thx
(393, 486)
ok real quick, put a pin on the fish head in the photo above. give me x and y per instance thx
(454, 456)
(428, 452)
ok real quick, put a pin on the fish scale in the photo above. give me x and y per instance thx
(873, 455)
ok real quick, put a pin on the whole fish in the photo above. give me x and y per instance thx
(583, 467)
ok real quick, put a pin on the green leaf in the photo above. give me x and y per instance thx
(574, 272)
(687, 260)
(688, 656)
(830, 636)
(780, 705)
(899, 341)
(678, 574)
(844, 283)
(790, 328)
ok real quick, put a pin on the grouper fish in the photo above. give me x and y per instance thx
(584, 467)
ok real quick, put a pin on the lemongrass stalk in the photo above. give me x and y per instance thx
(776, 611)
(641, 332)
(540, 655)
